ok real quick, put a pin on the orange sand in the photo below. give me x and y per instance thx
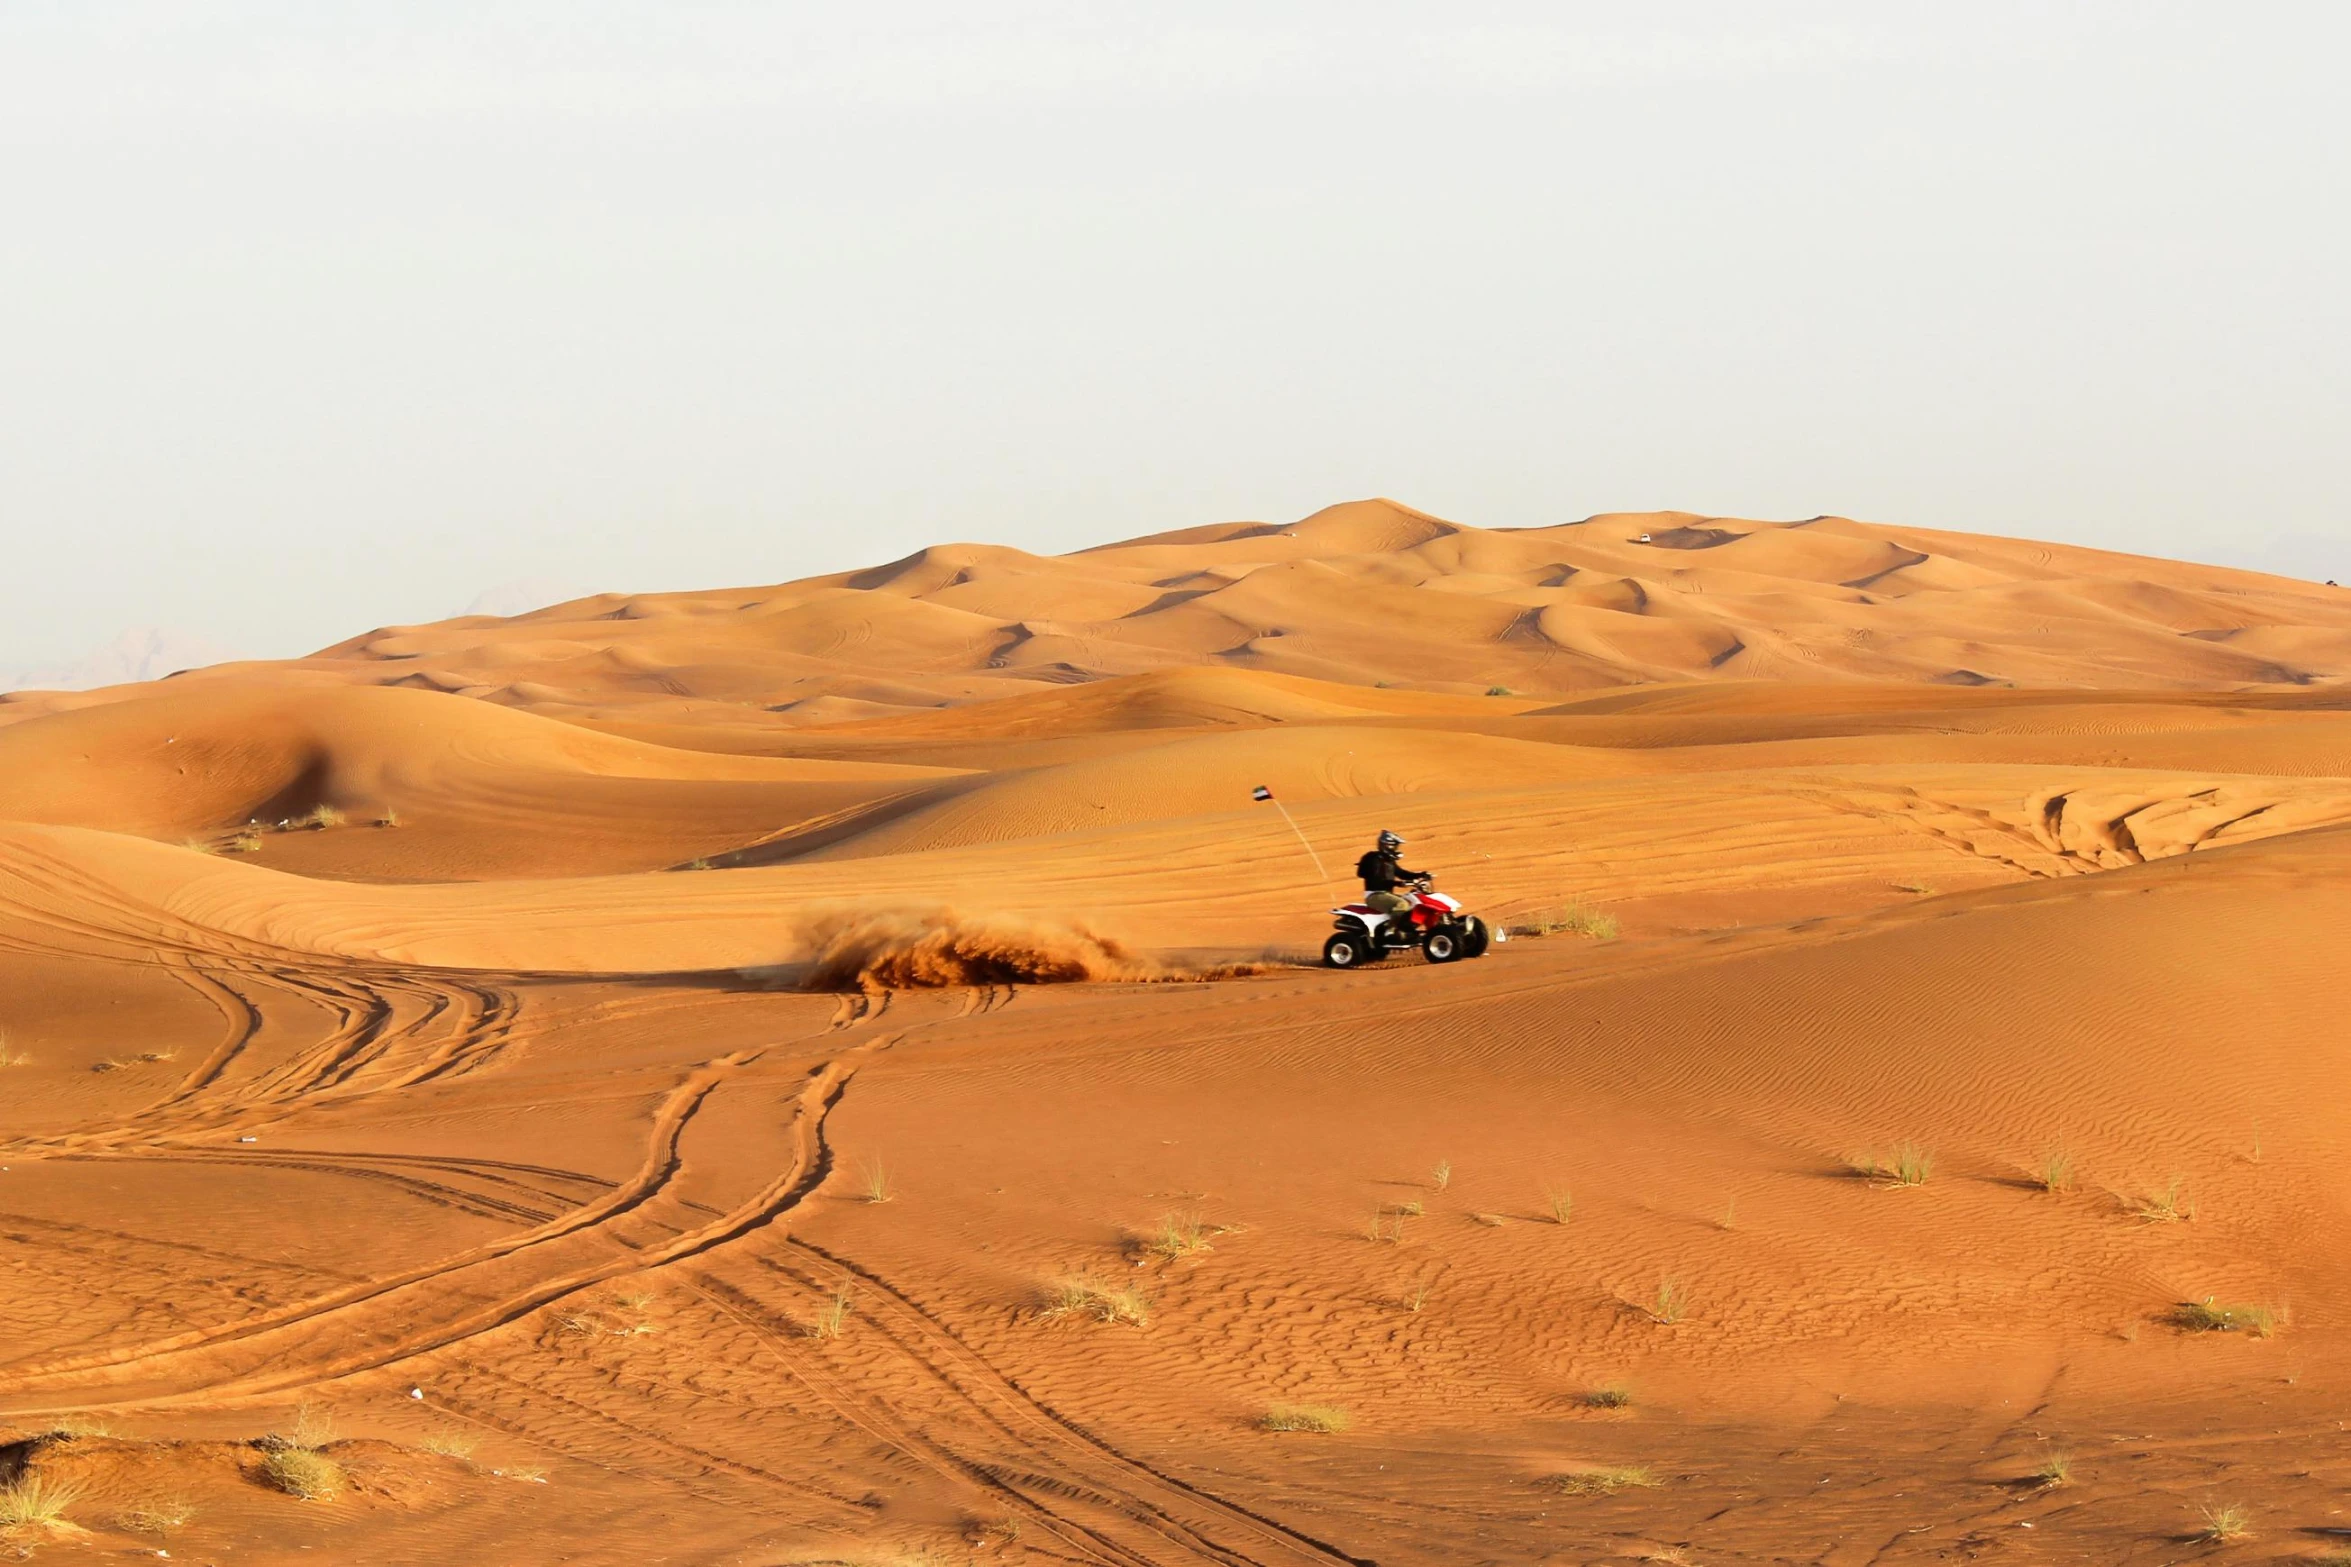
(535, 1092)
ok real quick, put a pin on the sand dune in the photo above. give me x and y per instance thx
(472, 789)
(837, 1072)
(1375, 592)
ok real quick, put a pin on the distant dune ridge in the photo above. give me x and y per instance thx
(1373, 592)
(840, 1071)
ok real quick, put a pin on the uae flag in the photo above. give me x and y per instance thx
(1261, 792)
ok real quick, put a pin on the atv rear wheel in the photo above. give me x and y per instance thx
(1442, 945)
(1345, 951)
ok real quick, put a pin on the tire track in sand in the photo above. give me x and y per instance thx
(642, 1224)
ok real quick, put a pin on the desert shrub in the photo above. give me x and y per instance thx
(2202, 1316)
(2224, 1523)
(1907, 1165)
(302, 1472)
(1099, 1302)
(2165, 1205)
(1322, 1418)
(156, 1515)
(833, 1316)
(1607, 1481)
(1572, 919)
(1180, 1235)
(32, 1501)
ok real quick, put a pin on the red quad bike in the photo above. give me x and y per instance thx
(1435, 924)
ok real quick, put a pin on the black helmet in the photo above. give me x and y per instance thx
(1390, 842)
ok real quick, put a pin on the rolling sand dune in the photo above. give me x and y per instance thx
(474, 789)
(838, 1073)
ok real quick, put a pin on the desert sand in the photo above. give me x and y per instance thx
(839, 1072)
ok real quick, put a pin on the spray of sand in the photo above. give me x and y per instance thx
(906, 949)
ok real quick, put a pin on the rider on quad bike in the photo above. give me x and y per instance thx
(1392, 920)
(1381, 871)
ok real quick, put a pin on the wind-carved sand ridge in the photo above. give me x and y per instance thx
(836, 1072)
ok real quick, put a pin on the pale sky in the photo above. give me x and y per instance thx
(317, 316)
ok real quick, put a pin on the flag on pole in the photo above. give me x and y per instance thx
(1261, 794)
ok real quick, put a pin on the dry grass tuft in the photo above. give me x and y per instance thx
(2055, 1173)
(321, 816)
(9, 1054)
(302, 1472)
(996, 1533)
(1442, 1176)
(388, 818)
(1561, 1202)
(2164, 1205)
(877, 1183)
(1607, 1481)
(1120, 1304)
(1670, 1304)
(1908, 1165)
(1179, 1235)
(451, 1444)
(1612, 1395)
(2224, 1523)
(1573, 919)
(31, 1501)
(1323, 1418)
(2056, 1469)
(313, 1427)
(291, 1461)
(1414, 1299)
(156, 1515)
(2202, 1316)
(833, 1316)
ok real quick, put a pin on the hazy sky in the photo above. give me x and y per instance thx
(318, 316)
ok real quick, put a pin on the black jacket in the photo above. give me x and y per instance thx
(1380, 872)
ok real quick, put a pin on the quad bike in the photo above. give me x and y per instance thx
(1434, 923)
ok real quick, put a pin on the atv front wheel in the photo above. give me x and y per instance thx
(1475, 935)
(1442, 945)
(1345, 951)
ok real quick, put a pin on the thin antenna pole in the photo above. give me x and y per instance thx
(1264, 793)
